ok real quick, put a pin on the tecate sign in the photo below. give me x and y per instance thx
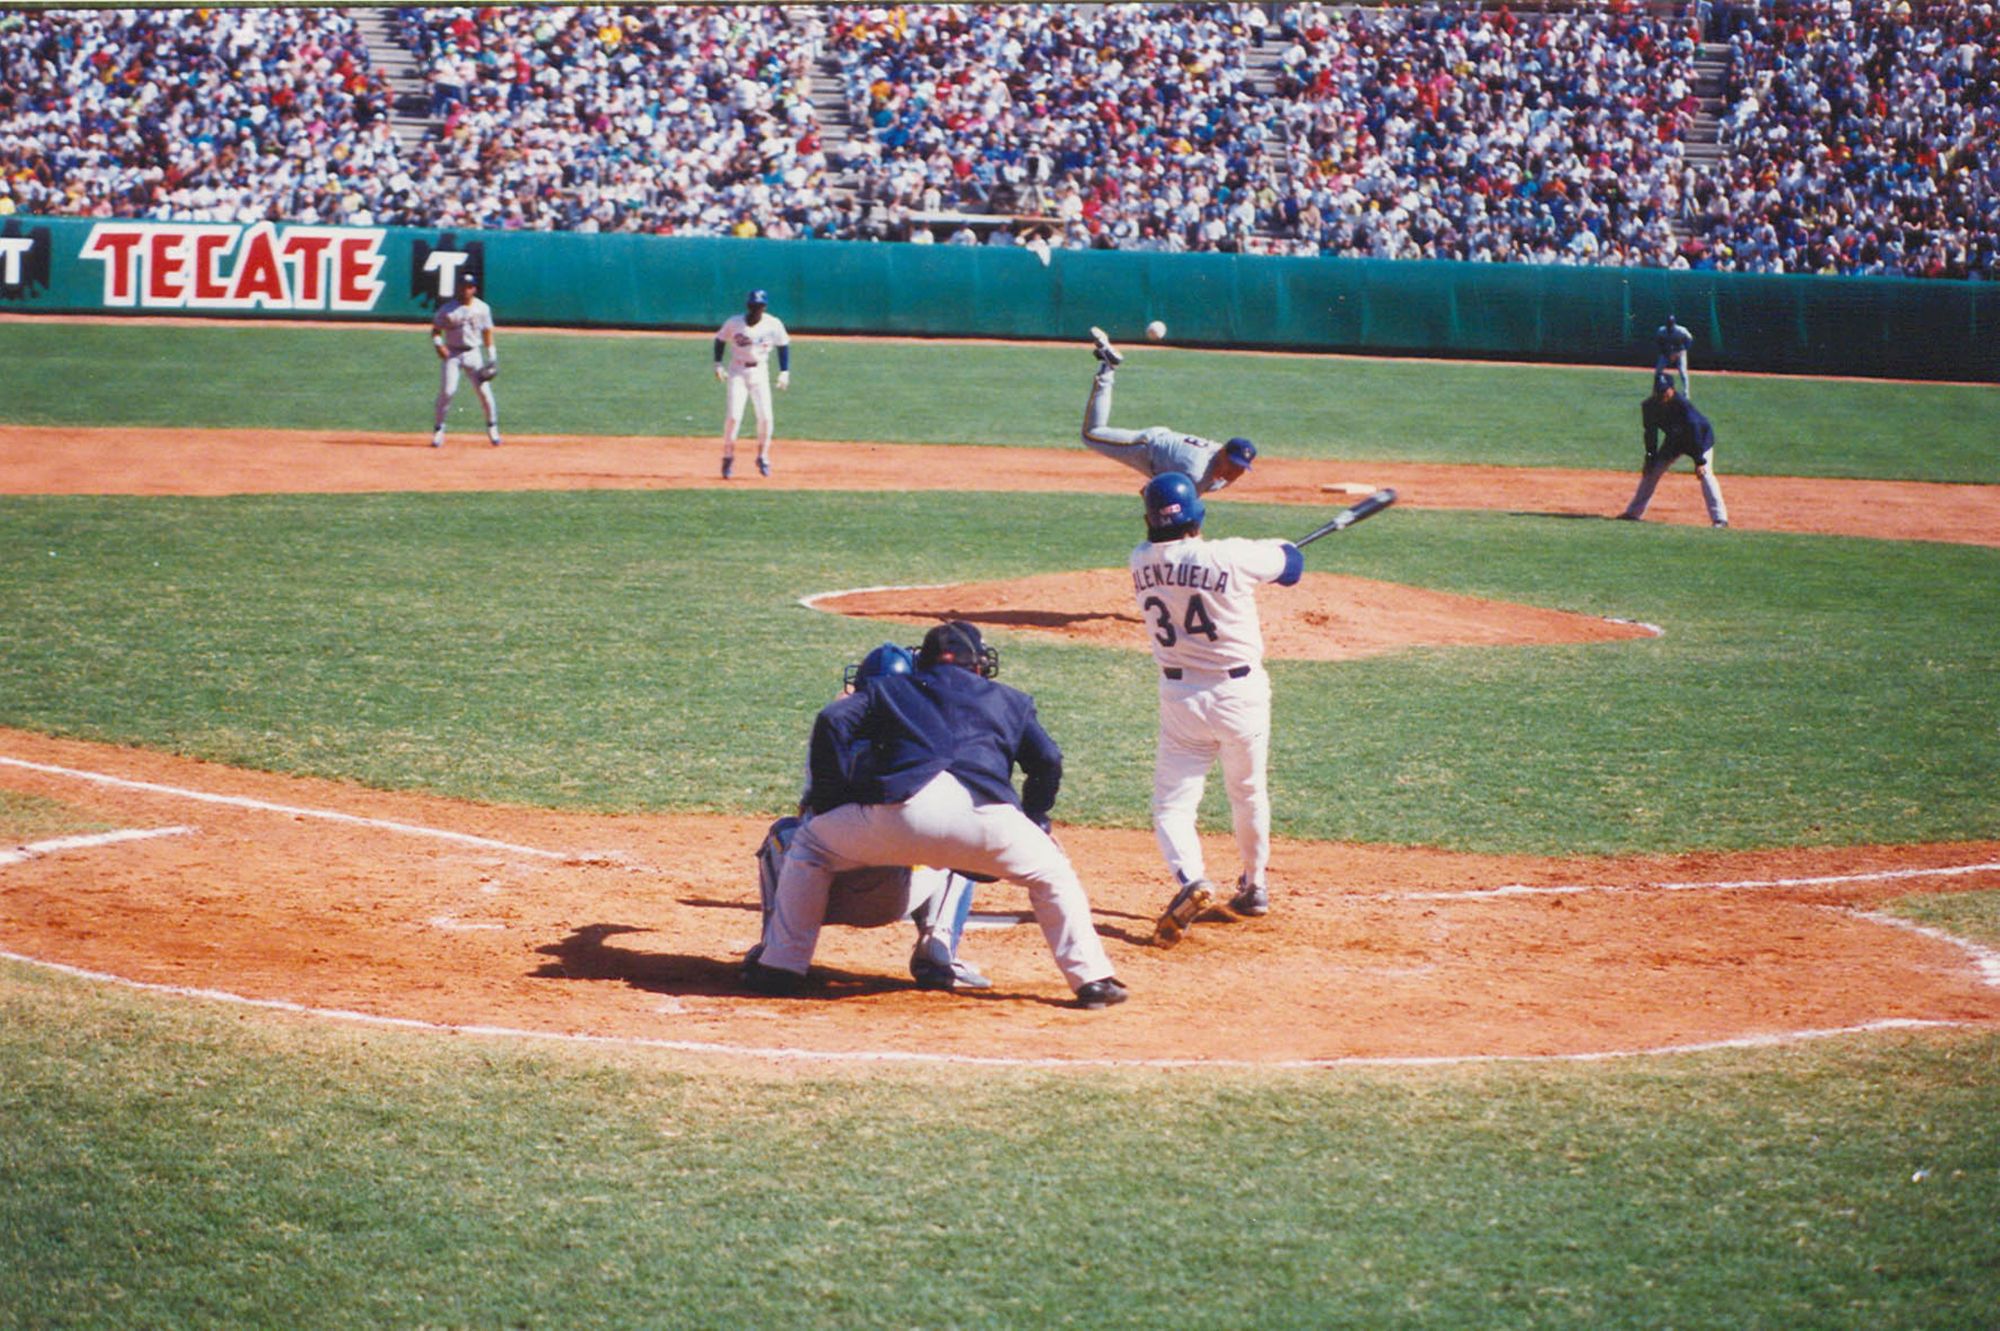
(209, 266)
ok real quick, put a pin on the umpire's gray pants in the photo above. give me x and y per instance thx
(939, 825)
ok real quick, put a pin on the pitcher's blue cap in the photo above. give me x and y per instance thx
(1242, 450)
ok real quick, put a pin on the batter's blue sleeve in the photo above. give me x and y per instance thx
(1295, 565)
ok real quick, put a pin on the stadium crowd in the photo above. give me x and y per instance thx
(204, 115)
(1858, 136)
(1862, 139)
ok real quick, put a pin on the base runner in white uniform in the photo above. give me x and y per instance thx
(743, 347)
(1198, 599)
(462, 336)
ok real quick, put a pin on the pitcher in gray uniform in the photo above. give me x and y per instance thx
(1156, 450)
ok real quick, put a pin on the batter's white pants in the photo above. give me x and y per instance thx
(1649, 480)
(450, 370)
(937, 825)
(754, 386)
(1204, 716)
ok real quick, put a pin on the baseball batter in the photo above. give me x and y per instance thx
(462, 336)
(1675, 429)
(936, 787)
(1156, 450)
(1198, 599)
(743, 348)
(937, 901)
(1671, 343)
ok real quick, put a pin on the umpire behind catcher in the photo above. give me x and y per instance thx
(1675, 429)
(937, 788)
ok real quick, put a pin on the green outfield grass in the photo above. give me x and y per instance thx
(165, 1163)
(942, 392)
(183, 1166)
(626, 650)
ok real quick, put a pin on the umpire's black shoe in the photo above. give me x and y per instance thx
(1102, 993)
(772, 980)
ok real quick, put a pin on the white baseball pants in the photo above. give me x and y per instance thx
(1204, 716)
(753, 386)
(450, 370)
(937, 825)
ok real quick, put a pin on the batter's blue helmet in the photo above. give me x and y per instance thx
(1173, 505)
(888, 659)
(1242, 450)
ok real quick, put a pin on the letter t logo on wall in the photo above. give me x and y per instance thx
(444, 266)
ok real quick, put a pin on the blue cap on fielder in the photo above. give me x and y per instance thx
(757, 297)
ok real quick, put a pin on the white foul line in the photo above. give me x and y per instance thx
(294, 811)
(1986, 958)
(35, 849)
(981, 1060)
(1738, 885)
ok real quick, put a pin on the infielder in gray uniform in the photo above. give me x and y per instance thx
(1156, 450)
(462, 336)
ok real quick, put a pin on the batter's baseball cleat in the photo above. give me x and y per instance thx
(1102, 993)
(763, 466)
(1251, 899)
(1105, 351)
(728, 465)
(1182, 911)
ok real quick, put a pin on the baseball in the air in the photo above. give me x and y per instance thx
(1155, 331)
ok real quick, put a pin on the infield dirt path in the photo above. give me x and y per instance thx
(338, 898)
(50, 460)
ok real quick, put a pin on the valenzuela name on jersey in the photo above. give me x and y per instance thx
(1186, 573)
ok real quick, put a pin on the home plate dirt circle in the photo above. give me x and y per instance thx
(337, 899)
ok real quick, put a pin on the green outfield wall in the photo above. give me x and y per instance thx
(1891, 327)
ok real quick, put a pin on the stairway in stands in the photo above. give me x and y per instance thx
(409, 99)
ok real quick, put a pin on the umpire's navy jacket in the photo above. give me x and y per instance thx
(888, 741)
(1687, 430)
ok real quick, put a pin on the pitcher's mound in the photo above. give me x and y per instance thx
(1326, 617)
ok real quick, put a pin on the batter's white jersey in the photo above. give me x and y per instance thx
(1199, 598)
(464, 324)
(750, 345)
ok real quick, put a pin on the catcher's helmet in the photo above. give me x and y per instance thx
(888, 659)
(959, 643)
(1173, 505)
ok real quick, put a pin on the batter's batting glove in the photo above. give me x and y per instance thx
(784, 379)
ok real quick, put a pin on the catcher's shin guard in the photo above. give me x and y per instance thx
(770, 863)
(940, 925)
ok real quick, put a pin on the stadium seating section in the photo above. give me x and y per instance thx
(1855, 137)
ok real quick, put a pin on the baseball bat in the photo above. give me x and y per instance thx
(1347, 517)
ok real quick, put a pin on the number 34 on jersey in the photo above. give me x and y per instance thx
(1199, 597)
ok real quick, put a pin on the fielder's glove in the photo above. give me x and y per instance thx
(488, 372)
